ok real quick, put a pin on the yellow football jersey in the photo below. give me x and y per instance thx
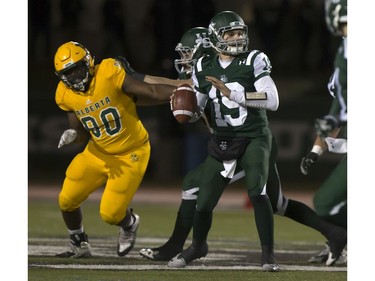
(105, 111)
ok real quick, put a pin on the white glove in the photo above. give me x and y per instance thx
(336, 145)
(67, 137)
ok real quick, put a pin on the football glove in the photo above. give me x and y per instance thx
(325, 126)
(67, 137)
(129, 70)
(308, 161)
(125, 63)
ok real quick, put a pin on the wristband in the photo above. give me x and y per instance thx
(317, 149)
(256, 96)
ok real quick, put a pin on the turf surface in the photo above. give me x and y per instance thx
(234, 251)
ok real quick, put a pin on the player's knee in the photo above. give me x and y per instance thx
(258, 199)
(66, 204)
(205, 208)
(255, 193)
(320, 208)
(111, 218)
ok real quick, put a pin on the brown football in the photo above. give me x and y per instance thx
(184, 103)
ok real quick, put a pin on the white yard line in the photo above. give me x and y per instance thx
(283, 267)
(105, 248)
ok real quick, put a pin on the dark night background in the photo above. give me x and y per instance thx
(292, 33)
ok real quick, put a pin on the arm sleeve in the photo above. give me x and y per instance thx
(266, 97)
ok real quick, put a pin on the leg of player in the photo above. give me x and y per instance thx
(258, 154)
(175, 244)
(210, 190)
(330, 203)
(300, 212)
(336, 236)
(128, 233)
(185, 217)
(184, 220)
(199, 247)
(79, 242)
(264, 223)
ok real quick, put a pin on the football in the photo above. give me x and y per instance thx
(184, 103)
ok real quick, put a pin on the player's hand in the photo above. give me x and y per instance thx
(67, 137)
(220, 85)
(129, 70)
(125, 63)
(325, 126)
(308, 161)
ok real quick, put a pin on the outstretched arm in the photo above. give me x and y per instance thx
(149, 78)
(163, 80)
(143, 95)
(151, 94)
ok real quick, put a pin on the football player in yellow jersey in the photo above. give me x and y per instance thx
(100, 101)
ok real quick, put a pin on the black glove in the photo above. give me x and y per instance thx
(307, 161)
(129, 70)
(326, 125)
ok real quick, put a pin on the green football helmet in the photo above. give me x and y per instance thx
(223, 22)
(336, 14)
(193, 45)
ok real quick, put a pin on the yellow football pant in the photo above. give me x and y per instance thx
(91, 169)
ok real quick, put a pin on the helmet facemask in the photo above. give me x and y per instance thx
(74, 66)
(77, 76)
(193, 45)
(186, 62)
(218, 29)
(231, 47)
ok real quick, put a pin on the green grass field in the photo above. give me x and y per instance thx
(234, 248)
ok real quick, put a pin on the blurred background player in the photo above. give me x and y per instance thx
(190, 48)
(330, 201)
(100, 101)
